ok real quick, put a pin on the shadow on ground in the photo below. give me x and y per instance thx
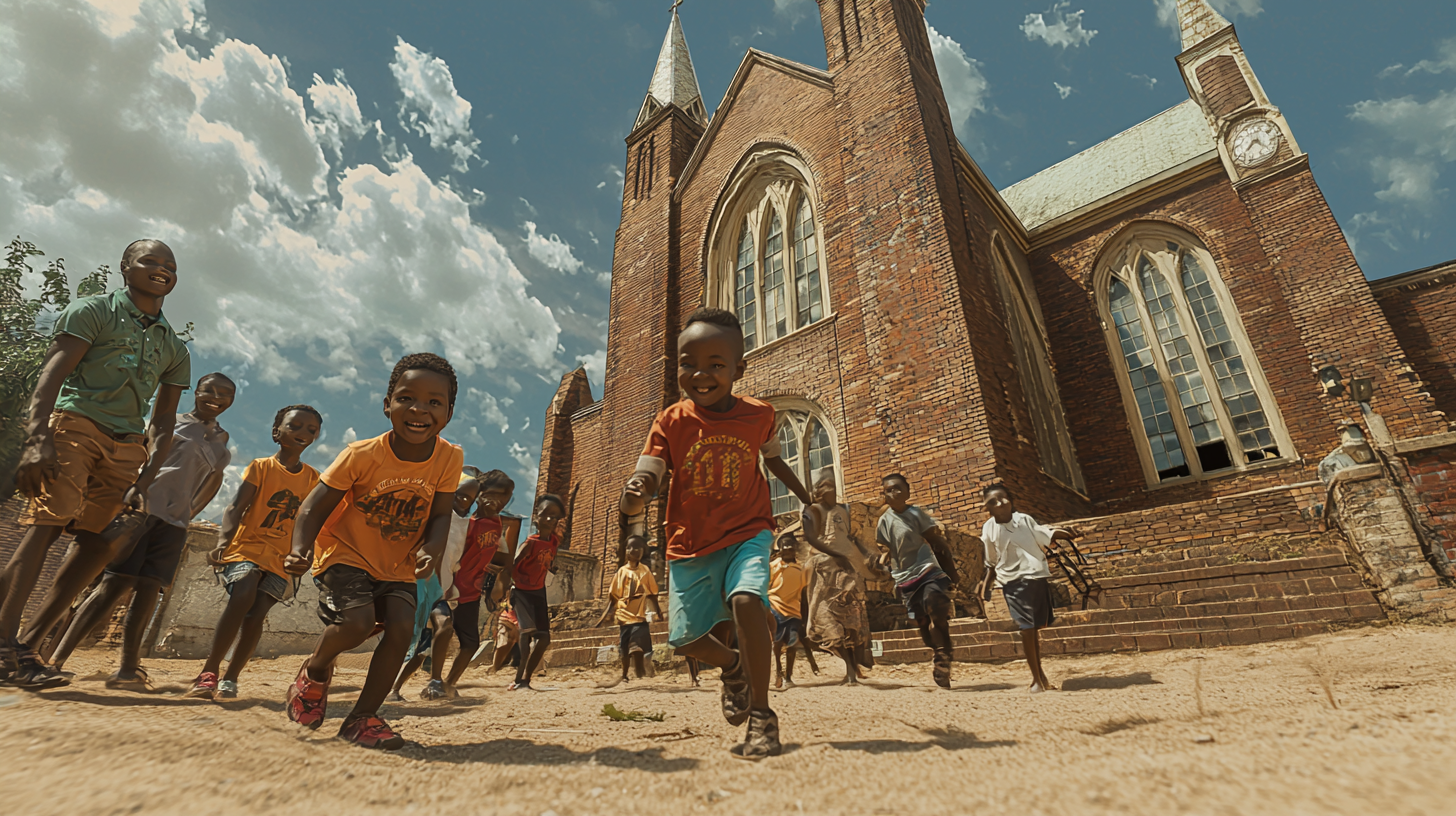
(524, 752)
(951, 739)
(1121, 681)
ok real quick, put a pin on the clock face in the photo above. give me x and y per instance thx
(1255, 142)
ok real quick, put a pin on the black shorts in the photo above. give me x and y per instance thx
(342, 587)
(155, 552)
(467, 627)
(918, 596)
(531, 609)
(1030, 602)
(636, 634)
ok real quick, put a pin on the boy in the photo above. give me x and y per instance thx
(719, 520)
(256, 536)
(186, 483)
(920, 562)
(467, 561)
(786, 585)
(376, 523)
(534, 559)
(84, 445)
(1016, 559)
(634, 599)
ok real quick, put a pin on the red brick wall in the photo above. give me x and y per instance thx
(1421, 308)
(1223, 84)
(1434, 474)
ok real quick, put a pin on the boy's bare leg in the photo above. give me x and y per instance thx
(754, 645)
(399, 627)
(457, 669)
(778, 649)
(851, 671)
(21, 575)
(713, 648)
(502, 654)
(240, 601)
(791, 652)
(248, 638)
(406, 673)
(94, 611)
(537, 640)
(138, 615)
(809, 654)
(83, 563)
(639, 664)
(1031, 644)
(626, 662)
(357, 626)
(440, 645)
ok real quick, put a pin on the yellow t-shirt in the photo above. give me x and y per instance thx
(632, 588)
(265, 533)
(381, 521)
(785, 583)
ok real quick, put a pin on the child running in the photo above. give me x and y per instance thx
(257, 533)
(376, 523)
(507, 637)
(719, 520)
(786, 584)
(919, 560)
(836, 616)
(1016, 559)
(633, 597)
(533, 561)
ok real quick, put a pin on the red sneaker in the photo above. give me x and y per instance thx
(370, 732)
(204, 687)
(308, 700)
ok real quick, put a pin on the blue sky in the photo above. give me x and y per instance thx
(347, 181)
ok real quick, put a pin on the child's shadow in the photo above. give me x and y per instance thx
(950, 738)
(524, 752)
(1116, 682)
(441, 708)
(122, 699)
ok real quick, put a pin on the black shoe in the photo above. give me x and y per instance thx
(8, 664)
(763, 736)
(33, 674)
(736, 695)
(941, 670)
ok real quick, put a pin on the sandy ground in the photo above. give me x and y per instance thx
(1237, 731)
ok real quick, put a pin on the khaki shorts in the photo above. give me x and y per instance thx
(94, 469)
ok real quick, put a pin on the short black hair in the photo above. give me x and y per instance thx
(216, 375)
(423, 361)
(549, 497)
(495, 479)
(986, 491)
(717, 317)
(899, 476)
(285, 410)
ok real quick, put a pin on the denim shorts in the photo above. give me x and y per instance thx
(700, 588)
(274, 586)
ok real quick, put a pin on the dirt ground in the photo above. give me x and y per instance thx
(1357, 722)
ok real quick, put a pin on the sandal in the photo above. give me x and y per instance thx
(433, 690)
(204, 687)
(736, 694)
(308, 699)
(941, 670)
(370, 732)
(139, 682)
(763, 736)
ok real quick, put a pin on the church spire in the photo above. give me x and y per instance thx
(673, 81)
(1197, 21)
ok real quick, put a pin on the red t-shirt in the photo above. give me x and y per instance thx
(482, 540)
(719, 497)
(534, 560)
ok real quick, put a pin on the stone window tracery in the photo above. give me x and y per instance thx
(806, 445)
(1196, 398)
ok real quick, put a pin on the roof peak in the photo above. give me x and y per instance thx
(674, 82)
(1197, 21)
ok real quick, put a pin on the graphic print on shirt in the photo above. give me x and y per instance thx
(487, 540)
(715, 467)
(284, 507)
(397, 508)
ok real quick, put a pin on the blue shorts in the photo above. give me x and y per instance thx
(699, 588)
(789, 629)
(428, 596)
(274, 586)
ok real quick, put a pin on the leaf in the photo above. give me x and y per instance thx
(632, 716)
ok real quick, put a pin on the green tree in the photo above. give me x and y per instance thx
(25, 324)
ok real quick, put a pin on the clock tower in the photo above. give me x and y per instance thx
(1252, 136)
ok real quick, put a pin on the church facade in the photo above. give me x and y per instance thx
(1168, 322)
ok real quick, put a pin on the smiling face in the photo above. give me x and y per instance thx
(547, 516)
(999, 504)
(419, 407)
(709, 360)
(897, 493)
(465, 496)
(492, 501)
(297, 430)
(213, 396)
(150, 269)
(788, 549)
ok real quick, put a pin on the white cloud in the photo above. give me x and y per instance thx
(489, 407)
(551, 250)
(527, 464)
(792, 10)
(1167, 11)
(1150, 81)
(1445, 62)
(431, 107)
(596, 367)
(1063, 90)
(1058, 27)
(337, 112)
(216, 155)
(1418, 139)
(960, 77)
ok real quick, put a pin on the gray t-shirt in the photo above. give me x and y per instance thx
(911, 557)
(199, 451)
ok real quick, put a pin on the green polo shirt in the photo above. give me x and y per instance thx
(130, 355)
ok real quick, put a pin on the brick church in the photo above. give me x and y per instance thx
(1163, 337)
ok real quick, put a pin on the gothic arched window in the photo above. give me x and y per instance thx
(806, 446)
(1033, 366)
(1189, 377)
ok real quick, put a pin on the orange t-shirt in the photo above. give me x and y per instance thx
(719, 497)
(265, 534)
(381, 521)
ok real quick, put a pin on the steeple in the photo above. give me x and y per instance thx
(1197, 21)
(673, 81)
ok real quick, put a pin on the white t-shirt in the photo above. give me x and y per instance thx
(1015, 548)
